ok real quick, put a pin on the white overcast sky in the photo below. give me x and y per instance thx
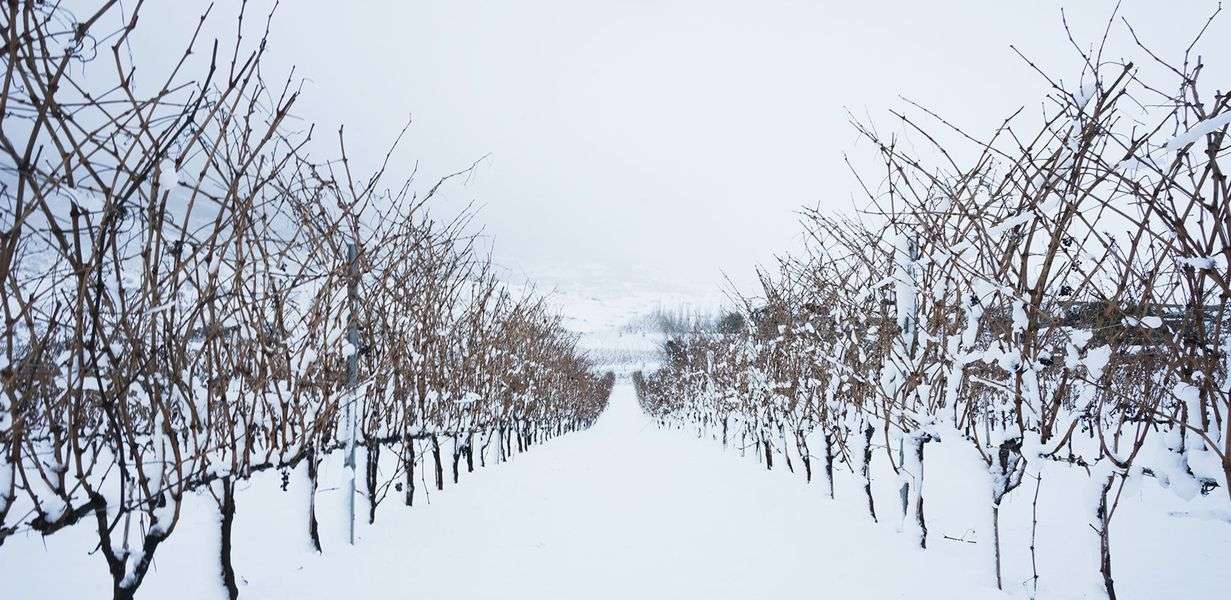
(675, 137)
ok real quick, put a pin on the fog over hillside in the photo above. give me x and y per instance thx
(679, 135)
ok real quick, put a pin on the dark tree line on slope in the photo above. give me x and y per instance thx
(1059, 299)
(178, 281)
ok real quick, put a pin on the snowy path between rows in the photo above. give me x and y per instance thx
(629, 511)
(625, 511)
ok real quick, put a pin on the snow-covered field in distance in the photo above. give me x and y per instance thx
(609, 307)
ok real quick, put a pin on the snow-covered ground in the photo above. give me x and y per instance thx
(624, 510)
(629, 510)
